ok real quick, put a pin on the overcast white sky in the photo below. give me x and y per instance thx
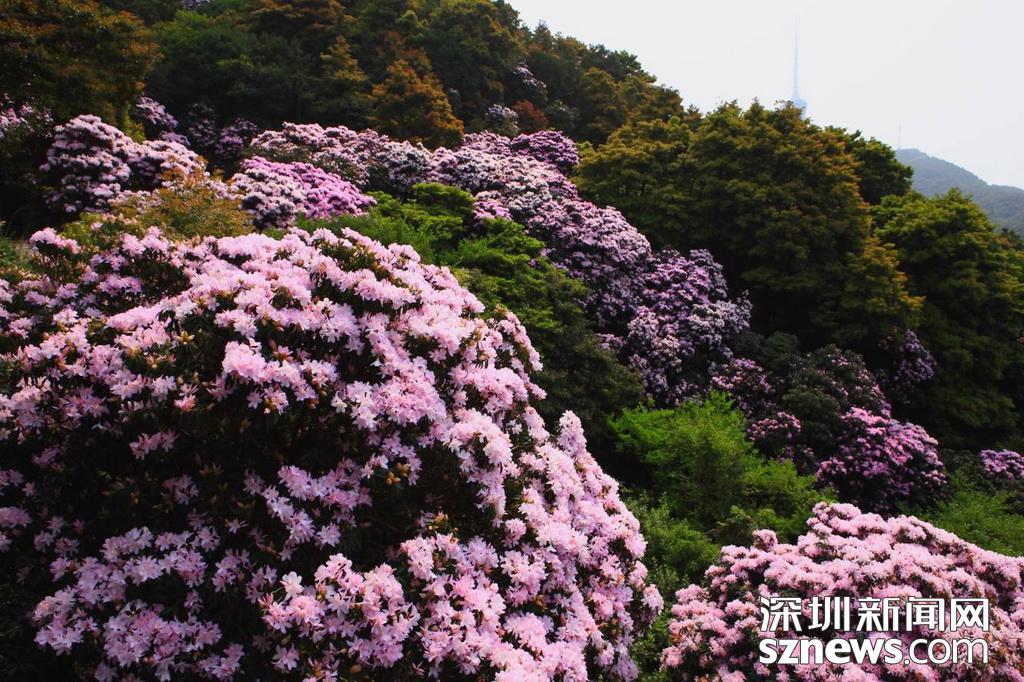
(948, 72)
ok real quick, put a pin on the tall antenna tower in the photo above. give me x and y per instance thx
(798, 101)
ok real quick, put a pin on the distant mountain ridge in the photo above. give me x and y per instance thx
(1003, 204)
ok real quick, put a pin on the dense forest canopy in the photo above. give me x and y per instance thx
(351, 339)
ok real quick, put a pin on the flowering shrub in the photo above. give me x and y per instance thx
(25, 131)
(302, 457)
(275, 193)
(683, 314)
(715, 629)
(1003, 465)
(201, 125)
(232, 139)
(910, 365)
(366, 158)
(222, 145)
(90, 159)
(826, 412)
(879, 461)
(502, 120)
(551, 147)
(95, 163)
(158, 123)
(525, 76)
(157, 161)
(488, 142)
(16, 120)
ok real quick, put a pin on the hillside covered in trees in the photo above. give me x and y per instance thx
(398, 340)
(1004, 205)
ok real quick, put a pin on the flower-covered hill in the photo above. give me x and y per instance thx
(400, 504)
(249, 456)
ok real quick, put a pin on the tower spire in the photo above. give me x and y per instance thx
(798, 101)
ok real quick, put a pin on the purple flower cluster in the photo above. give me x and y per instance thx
(533, 85)
(714, 630)
(910, 364)
(276, 193)
(658, 310)
(549, 146)
(95, 164)
(869, 457)
(1003, 465)
(222, 145)
(502, 120)
(16, 118)
(366, 158)
(158, 123)
(880, 461)
(667, 313)
(309, 457)
(683, 316)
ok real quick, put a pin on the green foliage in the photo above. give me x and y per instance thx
(984, 517)
(972, 281)
(704, 470)
(677, 552)
(879, 171)
(13, 258)
(189, 208)
(504, 268)
(776, 200)
(411, 105)
(472, 46)
(677, 555)
(73, 56)
(707, 487)
(697, 454)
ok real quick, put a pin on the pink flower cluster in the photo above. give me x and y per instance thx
(276, 193)
(366, 158)
(303, 457)
(714, 630)
(549, 146)
(158, 123)
(1003, 465)
(95, 164)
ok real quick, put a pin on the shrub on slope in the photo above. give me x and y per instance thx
(714, 629)
(305, 456)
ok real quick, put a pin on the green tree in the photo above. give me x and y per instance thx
(972, 281)
(344, 93)
(413, 106)
(205, 58)
(879, 172)
(472, 48)
(73, 56)
(776, 200)
(602, 107)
